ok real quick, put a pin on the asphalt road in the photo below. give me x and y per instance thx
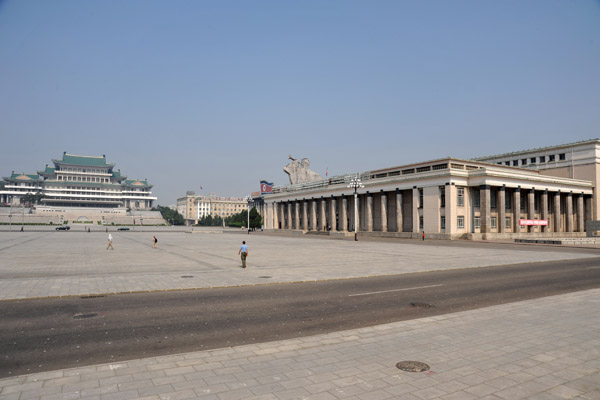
(48, 334)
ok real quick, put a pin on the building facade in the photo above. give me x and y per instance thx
(580, 160)
(194, 207)
(447, 198)
(79, 181)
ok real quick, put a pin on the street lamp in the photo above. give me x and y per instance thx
(248, 199)
(355, 183)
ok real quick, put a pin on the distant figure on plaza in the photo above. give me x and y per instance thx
(423, 236)
(110, 246)
(244, 252)
(154, 242)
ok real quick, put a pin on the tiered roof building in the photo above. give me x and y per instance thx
(79, 181)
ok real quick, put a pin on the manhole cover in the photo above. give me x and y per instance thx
(187, 276)
(88, 315)
(412, 366)
(92, 296)
(265, 277)
(421, 305)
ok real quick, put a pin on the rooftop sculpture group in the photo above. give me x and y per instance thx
(299, 172)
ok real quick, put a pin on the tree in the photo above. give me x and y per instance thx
(255, 218)
(31, 199)
(170, 215)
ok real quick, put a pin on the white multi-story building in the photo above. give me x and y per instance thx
(79, 181)
(194, 207)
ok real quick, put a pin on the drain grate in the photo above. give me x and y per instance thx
(421, 305)
(265, 277)
(92, 296)
(81, 316)
(187, 276)
(412, 366)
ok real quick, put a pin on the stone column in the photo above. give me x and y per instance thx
(517, 210)
(296, 214)
(384, 226)
(531, 208)
(313, 215)
(557, 221)
(450, 211)
(415, 209)
(275, 215)
(485, 208)
(344, 214)
(569, 212)
(288, 206)
(305, 215)
(322, 214)
(369, 210)
(580, 219)
(544, 210)
(333, 213)
(588, 208)
(501, 209)
(399, 222)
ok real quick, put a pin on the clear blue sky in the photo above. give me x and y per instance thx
(217, 94)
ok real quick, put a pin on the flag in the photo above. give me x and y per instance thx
(266, 187)
(327, 172)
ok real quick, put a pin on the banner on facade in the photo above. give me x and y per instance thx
(266, 187)
(533, 222)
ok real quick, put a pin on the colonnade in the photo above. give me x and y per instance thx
(435, 209)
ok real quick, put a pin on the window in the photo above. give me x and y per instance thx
(421, 222)
(542, 159)
(493, 222)
(562, 156)
(533, 160)
(460, 197)
(507, 202)
(522, 203)
(443, 222)
(524, 161)
(442, 196)
(515, 163)
(477, 222)
(476, 198)
(420, 198)
(460, 222)
(551, 157)
(507, 163)
(507, 222)
(493, 197)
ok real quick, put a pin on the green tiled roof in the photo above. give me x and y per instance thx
(135, 182)
(88, 161)
(23, 177)
(117, 174)
(47, 171)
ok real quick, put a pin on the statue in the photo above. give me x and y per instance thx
(299, 172)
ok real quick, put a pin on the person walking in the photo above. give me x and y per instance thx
(154, 242)
(244, 253)
(423, 236)
(110, 246)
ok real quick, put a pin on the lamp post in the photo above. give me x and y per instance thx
(355, 183)
(248, 199)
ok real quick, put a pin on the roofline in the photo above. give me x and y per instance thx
(560, 146)
(447, 159)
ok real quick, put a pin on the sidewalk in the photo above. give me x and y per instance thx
(546, 348)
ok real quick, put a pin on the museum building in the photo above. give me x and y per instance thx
(79, 181)
(493, 197)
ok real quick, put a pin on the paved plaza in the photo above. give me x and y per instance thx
(546, 348)
(50, 263)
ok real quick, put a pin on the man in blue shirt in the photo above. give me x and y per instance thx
(244, 252)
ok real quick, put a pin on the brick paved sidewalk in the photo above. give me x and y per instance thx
(547, 348)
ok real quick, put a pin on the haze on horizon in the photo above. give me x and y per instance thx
(192, 94)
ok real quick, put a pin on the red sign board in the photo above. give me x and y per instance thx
(533, 222)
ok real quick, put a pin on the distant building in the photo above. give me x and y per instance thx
(79, 181)
(194, 207)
